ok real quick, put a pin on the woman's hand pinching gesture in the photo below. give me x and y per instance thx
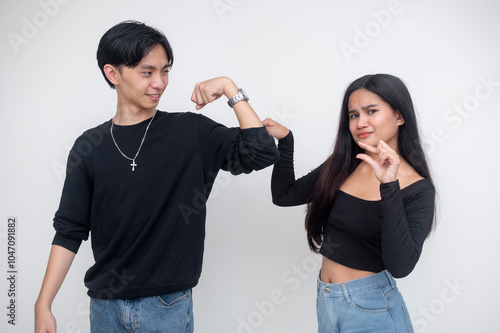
(386, 166)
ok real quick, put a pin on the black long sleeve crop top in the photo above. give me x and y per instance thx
(361, 234)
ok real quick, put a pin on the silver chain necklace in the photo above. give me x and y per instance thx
(133, 165)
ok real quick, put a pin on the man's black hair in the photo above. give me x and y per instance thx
(127, 43)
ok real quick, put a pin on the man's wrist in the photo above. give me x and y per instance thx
(230, 88)
(42, 305)
(238, 97)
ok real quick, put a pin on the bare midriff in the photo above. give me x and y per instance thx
(333, 272)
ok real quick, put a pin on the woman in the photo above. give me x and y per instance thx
(370, 206)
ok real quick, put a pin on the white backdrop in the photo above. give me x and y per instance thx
(294, 58)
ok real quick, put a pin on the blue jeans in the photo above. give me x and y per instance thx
(370, 304)
(169, 313)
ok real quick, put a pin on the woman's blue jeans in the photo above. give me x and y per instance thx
(168, 313)
(370, 304)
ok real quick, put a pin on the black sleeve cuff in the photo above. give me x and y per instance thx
(69, 243)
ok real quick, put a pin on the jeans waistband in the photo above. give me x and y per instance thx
(359, 285)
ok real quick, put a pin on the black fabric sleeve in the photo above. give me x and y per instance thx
(72, 219)
(286, 190)
(253, 149)
(405, 224)
(236, 150)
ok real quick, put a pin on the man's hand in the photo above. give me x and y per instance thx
(208, 91)
(45, 322)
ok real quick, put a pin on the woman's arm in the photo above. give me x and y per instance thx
(286, 190)
(406, 221)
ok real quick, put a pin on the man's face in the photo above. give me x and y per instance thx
(141, 87)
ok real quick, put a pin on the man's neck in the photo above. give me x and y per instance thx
(132, 116)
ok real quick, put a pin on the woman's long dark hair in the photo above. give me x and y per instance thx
(343, 160)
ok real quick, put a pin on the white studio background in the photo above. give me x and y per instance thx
(294, 58)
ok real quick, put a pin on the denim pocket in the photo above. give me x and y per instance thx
(373, 301)
(173, 298)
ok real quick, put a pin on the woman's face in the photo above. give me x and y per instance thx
(371, 119)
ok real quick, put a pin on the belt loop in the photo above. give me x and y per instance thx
(346, 293)
(391, 279)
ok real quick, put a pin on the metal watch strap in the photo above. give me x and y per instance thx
(240, 96)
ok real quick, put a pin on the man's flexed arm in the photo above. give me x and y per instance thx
(208, 91)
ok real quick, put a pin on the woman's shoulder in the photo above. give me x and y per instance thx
(407, 175)
(412, 183)
(422, 191)
(409, 180)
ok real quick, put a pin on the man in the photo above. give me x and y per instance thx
(138, 184)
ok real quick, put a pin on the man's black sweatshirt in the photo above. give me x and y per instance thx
(147, 225)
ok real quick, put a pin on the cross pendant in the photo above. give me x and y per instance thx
(133, 165)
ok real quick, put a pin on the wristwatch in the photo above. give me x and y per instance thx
(240, 96)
